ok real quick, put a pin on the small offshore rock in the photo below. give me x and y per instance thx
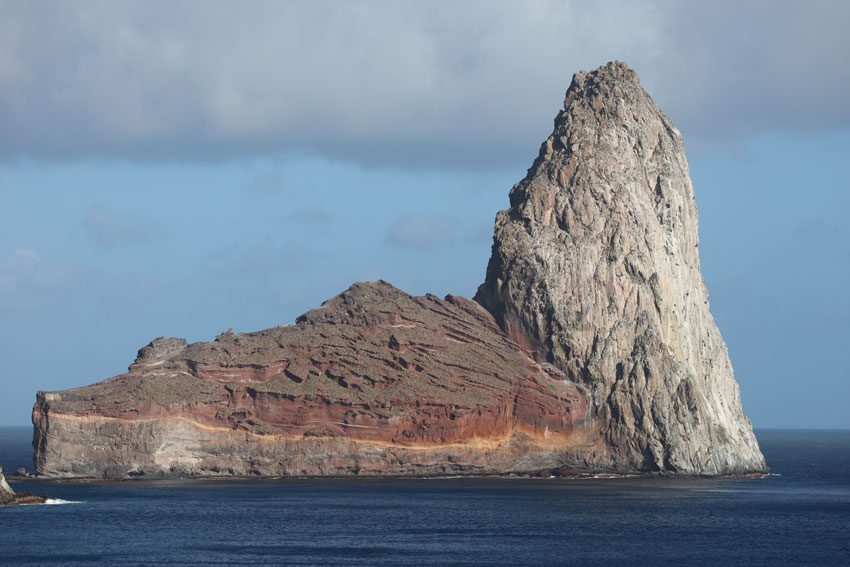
(8, 497)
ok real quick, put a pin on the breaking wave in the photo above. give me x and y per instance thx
(57, 501)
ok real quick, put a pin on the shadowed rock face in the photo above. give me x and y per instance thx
(372, 382)
(595, 269)
(600, 353)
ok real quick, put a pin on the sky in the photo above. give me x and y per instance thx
(178, 169)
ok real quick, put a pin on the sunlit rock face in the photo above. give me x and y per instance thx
(595, 269)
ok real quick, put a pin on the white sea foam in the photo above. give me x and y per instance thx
(57, 501)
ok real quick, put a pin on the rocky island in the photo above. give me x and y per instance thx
(590, 347)
(8, 497)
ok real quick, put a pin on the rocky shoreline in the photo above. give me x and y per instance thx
(538, 475)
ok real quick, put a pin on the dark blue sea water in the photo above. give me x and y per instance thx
(799, 518)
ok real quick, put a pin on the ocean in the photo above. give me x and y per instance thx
(800, 516)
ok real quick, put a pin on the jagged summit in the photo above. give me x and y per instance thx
(613, 72)
(616, 80)
(595, 269)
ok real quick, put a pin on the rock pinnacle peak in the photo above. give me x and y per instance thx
(613, 81)
(595, 269)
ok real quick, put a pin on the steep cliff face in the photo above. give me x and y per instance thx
(372, 382)
(595, 269)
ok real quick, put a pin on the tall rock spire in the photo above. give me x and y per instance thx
(595, 268)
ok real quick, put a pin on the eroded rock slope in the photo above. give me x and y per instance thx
(372, 382)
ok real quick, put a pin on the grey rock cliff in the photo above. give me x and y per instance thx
(595, 269)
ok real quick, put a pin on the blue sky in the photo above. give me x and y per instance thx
(228, 168)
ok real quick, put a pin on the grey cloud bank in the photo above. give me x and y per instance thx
(396, 83)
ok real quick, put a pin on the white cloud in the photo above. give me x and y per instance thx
(421, 231)
(259, 261)
(267, 184)
(394, 82)
(107, 228)
(311, 215)
(25, 277)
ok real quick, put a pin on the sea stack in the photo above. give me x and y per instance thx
(8, 497)
(5, 490)
(590, 347)
(595, 269)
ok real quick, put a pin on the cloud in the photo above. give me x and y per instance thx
(267, 184)
(421, 231)
(397, 83)
(311, 215)
(821, 228)
(260, 260)
(480, 234)
(26, 278)
(111, 229)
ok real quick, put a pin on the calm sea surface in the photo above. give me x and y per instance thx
(801, 517)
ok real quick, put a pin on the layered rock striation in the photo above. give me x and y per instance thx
(595, 269)
(373, 382)
(590, 347)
